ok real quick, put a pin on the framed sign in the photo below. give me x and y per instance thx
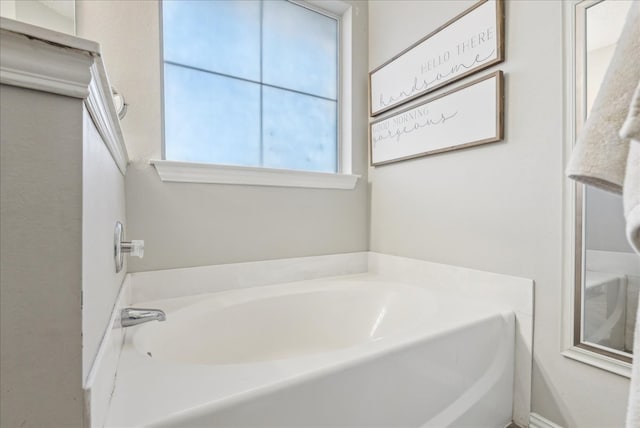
(470, 42)
(466, 116)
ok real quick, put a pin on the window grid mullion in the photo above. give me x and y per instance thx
(250, 81)
(261, 85)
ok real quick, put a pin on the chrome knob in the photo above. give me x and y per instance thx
(134, 247)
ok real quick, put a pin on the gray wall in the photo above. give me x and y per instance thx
(497, 207)
(40, 259)
(202, 224)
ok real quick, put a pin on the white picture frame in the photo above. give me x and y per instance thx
(468, 43)
(469, 115)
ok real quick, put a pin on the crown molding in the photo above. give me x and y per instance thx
(35, 64)
(35, 58)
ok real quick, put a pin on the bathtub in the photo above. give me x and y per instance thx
(341, 352)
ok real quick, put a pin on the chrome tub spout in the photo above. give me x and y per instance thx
(135, 316)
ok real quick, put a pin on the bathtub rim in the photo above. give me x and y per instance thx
(312, 366)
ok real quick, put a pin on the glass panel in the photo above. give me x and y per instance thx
(210, 118)
(300, 49)
(220, 36)
(299, 131)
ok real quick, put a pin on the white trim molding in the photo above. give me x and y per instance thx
(103, 112)
(36, 64)
(598, 360)
(190, 172)
(36, 58)
(537, 421)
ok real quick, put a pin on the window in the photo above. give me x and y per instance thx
(251, 83)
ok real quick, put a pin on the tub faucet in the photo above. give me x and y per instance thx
(135, 316)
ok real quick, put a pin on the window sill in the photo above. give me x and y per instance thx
(190, 172)
(598, 360)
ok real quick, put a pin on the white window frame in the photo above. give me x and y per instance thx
(191, 172)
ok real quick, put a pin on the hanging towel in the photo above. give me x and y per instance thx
(631, 189)
(599, 157)
(631, 198)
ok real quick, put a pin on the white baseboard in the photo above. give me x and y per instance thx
(537, 421)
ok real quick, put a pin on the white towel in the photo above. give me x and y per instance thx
(631, 189)
(631, 197)
(599, 157)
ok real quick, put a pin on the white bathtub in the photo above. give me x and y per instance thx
(351, 352)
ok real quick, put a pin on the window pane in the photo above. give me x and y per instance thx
(210, 118)
(220, 36)
(299, 131)
(299, 49)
